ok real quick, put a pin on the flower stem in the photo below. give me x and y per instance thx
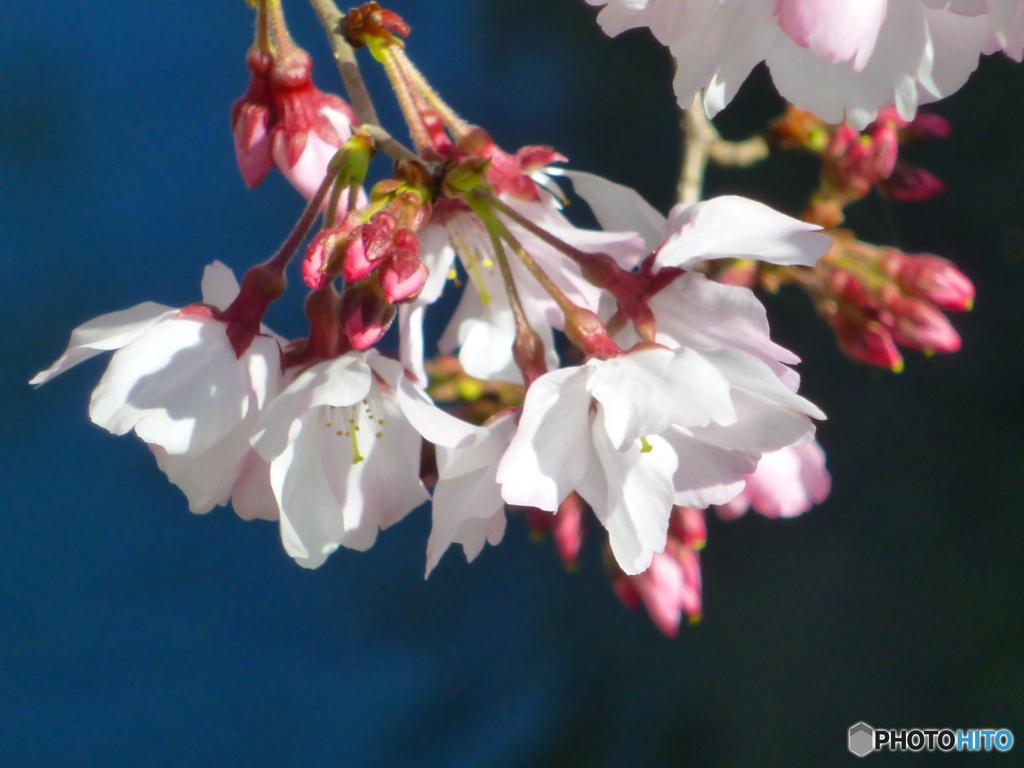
(528, 350)
(287, 250)
(406, 98)
(391, 146)
(278, 30)
(484, 208)
(458, 126)
(330, 19)
(572, 252)
(262, 30)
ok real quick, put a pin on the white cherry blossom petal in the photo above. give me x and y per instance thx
(693, 311)
(468, 507)
(631, 493)
(252, 495)
(617, 207)
(645, 391)
(735, 227)
(705, 474)
(549, 455)
(105, 333)
(179, 386)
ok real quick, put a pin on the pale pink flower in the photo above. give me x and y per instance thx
(836, 58)
(343, 461)
(343, 443)
(639, 433)
(786, 483)
(693, 311)
(177, 381)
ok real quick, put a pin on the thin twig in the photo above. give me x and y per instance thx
(702, 143)
(330, 18)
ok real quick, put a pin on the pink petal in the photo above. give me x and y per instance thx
(837, 30)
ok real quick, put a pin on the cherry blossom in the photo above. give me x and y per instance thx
(178, 383)
(786, 483)
(343, 463)
(836, 58)
(638, 433)
(343, 444)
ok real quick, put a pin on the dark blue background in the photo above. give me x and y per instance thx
(133, 633)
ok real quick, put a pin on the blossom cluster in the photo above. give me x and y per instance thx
(639, 381)
(837, 58)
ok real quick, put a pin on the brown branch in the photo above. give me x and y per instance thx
(330, 18)
(703, 143)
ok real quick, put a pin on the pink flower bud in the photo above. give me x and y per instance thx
(367, 244)
(786, 483)
(365, 314)
(403, 272)
(688, 525)
(311, 125)
(932, 278)
(883, 150)
(568, 528)
(627, 592)
(252, 120)
(926, 125)
(910, 184)
(854, 161)
(920, 325)
(870, 342)
(670, 587)
(318, 254)
(848, 289)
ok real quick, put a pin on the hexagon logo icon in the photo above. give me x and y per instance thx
(861, 739)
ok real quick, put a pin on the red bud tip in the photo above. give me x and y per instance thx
(365, 314)
(370, 20)
(403, 274)
(869, 343)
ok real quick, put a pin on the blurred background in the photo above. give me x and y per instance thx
(133, 633)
